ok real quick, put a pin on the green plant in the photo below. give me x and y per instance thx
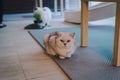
(37, 15)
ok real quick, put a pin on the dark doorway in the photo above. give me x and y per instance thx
(18, 6)
(26, 6)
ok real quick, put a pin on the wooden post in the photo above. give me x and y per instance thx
(55, 6)
(116, 55)
(84, 23)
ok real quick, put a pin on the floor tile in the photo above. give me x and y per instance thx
(22, 58)
(10, 68)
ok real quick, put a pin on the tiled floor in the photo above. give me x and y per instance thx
(21, 58)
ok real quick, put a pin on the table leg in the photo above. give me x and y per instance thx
(116, 55)
(84, 23)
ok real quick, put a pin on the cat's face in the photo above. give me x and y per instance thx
(65, 39)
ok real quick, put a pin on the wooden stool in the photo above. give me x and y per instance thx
(84, 28)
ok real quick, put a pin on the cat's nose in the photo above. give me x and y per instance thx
(65, 44)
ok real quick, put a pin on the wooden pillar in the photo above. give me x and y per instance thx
(116, 55)
(55, 6)
(84, 23)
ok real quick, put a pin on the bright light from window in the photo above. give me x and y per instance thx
(94, 3)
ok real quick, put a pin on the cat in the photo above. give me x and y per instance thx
(61, 44)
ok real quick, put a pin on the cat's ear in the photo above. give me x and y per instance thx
(58, 34)
(72, 35)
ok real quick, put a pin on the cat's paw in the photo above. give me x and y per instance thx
(61, 57)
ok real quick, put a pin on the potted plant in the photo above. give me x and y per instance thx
(37, 17)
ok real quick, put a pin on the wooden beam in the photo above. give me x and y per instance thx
(84, 23)
(116, 55)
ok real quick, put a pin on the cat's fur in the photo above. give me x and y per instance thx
(61, 44)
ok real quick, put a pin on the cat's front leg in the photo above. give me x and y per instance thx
(61, 57)
(64, 55)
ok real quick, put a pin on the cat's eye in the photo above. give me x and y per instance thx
(61, 40)
(68, 40)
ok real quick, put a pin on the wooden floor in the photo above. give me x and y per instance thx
(21, 57)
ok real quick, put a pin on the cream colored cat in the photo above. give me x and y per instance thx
(61, 44)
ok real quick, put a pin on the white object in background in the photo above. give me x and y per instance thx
(46, 14)
(100, 11)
